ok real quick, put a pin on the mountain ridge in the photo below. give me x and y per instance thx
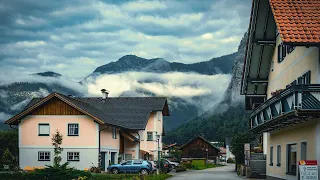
(222, 64)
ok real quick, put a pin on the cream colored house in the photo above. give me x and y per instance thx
(281, 82)
(96, 130)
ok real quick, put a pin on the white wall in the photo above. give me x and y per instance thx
(29, 157)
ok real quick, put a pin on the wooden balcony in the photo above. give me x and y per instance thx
(294, 105)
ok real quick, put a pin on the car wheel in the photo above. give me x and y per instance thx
(115, 171)
(144, 171)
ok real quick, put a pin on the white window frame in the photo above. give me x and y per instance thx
(71, 129)
(43, 124)
(73, 155)
(279, 155)
(271, 156)
(44, 154)
(148, 136)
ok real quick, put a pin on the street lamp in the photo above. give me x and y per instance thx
(158, 140)
(207, 155)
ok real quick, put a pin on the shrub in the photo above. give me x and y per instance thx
(187, 165)
(230, 160)
(60, 172)
(198, 164)
(95, 169)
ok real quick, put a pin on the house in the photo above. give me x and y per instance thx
(168, 148)
(199, 147)
(96, 130)
(281, 82)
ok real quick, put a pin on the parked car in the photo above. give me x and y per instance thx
(131, 166)
(154, 166)
(165, 166)
(173, 164)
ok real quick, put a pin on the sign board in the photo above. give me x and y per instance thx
(246, 147)
(6, 167)
(308, 169)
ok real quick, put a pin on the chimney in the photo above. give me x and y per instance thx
(104, 93)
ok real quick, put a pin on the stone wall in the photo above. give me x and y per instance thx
(257, 165)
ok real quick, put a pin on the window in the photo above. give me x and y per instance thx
(279, 155)
(137, 162)
(149, 136)
(73, 156)
(43, 156)
(304, 151)
(159, 116)
(127, 163)
(271, 156)
(292, 159)
(114, 132)
(283, 50)
(44, 129)
(73, 129)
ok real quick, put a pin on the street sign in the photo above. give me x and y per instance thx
(246, 147)
(308, 169)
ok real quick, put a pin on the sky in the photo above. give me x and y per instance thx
(74, 37)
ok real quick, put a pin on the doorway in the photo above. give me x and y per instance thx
(103, 161)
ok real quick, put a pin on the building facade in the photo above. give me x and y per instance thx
(281, 80)
(199, 147)
(96, 131)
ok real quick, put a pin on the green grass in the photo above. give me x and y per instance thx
(98, 176)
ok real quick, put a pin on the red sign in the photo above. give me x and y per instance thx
(308, 162)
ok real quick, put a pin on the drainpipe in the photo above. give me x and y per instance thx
(139, 144)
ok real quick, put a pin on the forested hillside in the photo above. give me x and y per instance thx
(214, 128)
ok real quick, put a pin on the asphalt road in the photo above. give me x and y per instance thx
(218, 173)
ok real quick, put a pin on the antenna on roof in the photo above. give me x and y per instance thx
(105, 93)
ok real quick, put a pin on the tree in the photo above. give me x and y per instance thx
(237, 146)
(9, 140)
(176, 153)
(56, 142)
(7, 158)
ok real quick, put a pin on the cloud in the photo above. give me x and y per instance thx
(63, 36)
(4, 116)
(200, 90)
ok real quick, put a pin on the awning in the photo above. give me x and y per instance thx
(145, 151)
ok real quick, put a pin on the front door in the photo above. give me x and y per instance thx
(113, 157)
(103, 161)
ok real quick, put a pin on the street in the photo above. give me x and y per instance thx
(219, 173)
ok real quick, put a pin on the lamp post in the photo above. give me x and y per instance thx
(158, 139)
(207, 156)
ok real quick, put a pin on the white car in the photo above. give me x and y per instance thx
(173, 164)
(154, 166)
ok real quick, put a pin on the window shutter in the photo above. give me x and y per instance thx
(44, 129)
(279, 53)
(284, 53)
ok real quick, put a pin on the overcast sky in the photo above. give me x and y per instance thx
(73, 37)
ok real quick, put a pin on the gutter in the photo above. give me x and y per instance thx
(13, 127)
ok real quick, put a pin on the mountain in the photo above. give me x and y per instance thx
(15, 96)
(48, 74)
(225, 118)
(217, 65)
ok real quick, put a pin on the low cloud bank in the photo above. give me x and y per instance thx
(203, 91)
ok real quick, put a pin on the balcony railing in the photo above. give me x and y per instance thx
(291, 106)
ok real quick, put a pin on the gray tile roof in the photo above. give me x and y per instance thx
(126, 112)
